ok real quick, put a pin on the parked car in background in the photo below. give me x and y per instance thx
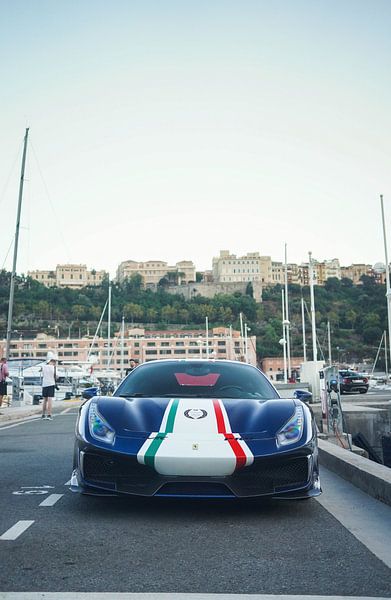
(303, 395)
(351, 381)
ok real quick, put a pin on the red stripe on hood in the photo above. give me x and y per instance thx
(233, 442)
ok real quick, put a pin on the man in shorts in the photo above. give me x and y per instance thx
(3, 378)
(48, 386)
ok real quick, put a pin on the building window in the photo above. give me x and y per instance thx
(151, 344)
(165, 351)
(178, 351)
(220, 343)
(179, 343)
(165, 344)
(149, 352)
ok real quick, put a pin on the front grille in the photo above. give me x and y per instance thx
(195, 488)
(264, 476)
(109, 468)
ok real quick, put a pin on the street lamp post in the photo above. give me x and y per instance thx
(283, 340)
(313, 321)
(288, 343)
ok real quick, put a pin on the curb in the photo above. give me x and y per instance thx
(370, 477)
(16, 414)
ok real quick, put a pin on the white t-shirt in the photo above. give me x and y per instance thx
(48, 375)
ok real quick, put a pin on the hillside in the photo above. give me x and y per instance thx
(357, 314)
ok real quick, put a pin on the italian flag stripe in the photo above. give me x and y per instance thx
(149, 456)
(229, 436)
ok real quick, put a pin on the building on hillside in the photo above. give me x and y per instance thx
(379, 273)
(277, 273)
(228, 268)
(138, 344)
(69, 275)
(326, 270)
(152, 271)
(355, 272)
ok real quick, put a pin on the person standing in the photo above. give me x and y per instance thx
(48, 387)
(132, 365)
(4, 372)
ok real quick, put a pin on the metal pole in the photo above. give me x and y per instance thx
(385, 355)
(329, 342)
(245, 343)
(241, 334)
(377, 355)
(288, 343)
(388, 287)
(207, 337)
(283, 333)
(303, 327)
(96, 332)
(13, 274)
(109, 326)
(122, 345)
(313, 321)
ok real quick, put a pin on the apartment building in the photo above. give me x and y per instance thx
(277, 273)
(139, 344)
(152, 271)
(273, 367)
(69, 275)
(228, 268)
(356, 271)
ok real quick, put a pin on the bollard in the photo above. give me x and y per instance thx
(36, 399)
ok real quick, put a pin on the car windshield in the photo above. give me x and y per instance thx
(197, 379)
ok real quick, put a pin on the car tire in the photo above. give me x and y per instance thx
(363, 391)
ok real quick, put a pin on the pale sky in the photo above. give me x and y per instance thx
(173, 129)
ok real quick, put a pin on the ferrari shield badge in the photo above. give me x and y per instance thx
(195, 413)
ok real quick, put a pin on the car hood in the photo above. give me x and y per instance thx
(250, 418)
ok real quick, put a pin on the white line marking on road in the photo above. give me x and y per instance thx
(27, 420)
(66, 410)
(51, 500)
(68, 482)
(16, 530)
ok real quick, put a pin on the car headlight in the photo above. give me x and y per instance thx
(293, 429)
(99, 427)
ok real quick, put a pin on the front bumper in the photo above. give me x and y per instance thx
(289, 475)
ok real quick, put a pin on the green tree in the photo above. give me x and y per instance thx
(133, 311)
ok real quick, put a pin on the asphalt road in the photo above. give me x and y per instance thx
(79, 543)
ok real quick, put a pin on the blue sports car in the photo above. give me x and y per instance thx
(196, 428)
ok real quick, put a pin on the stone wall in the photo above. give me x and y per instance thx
(209, 290)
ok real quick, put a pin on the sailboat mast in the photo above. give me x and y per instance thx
(13, 275)
(109, 327)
